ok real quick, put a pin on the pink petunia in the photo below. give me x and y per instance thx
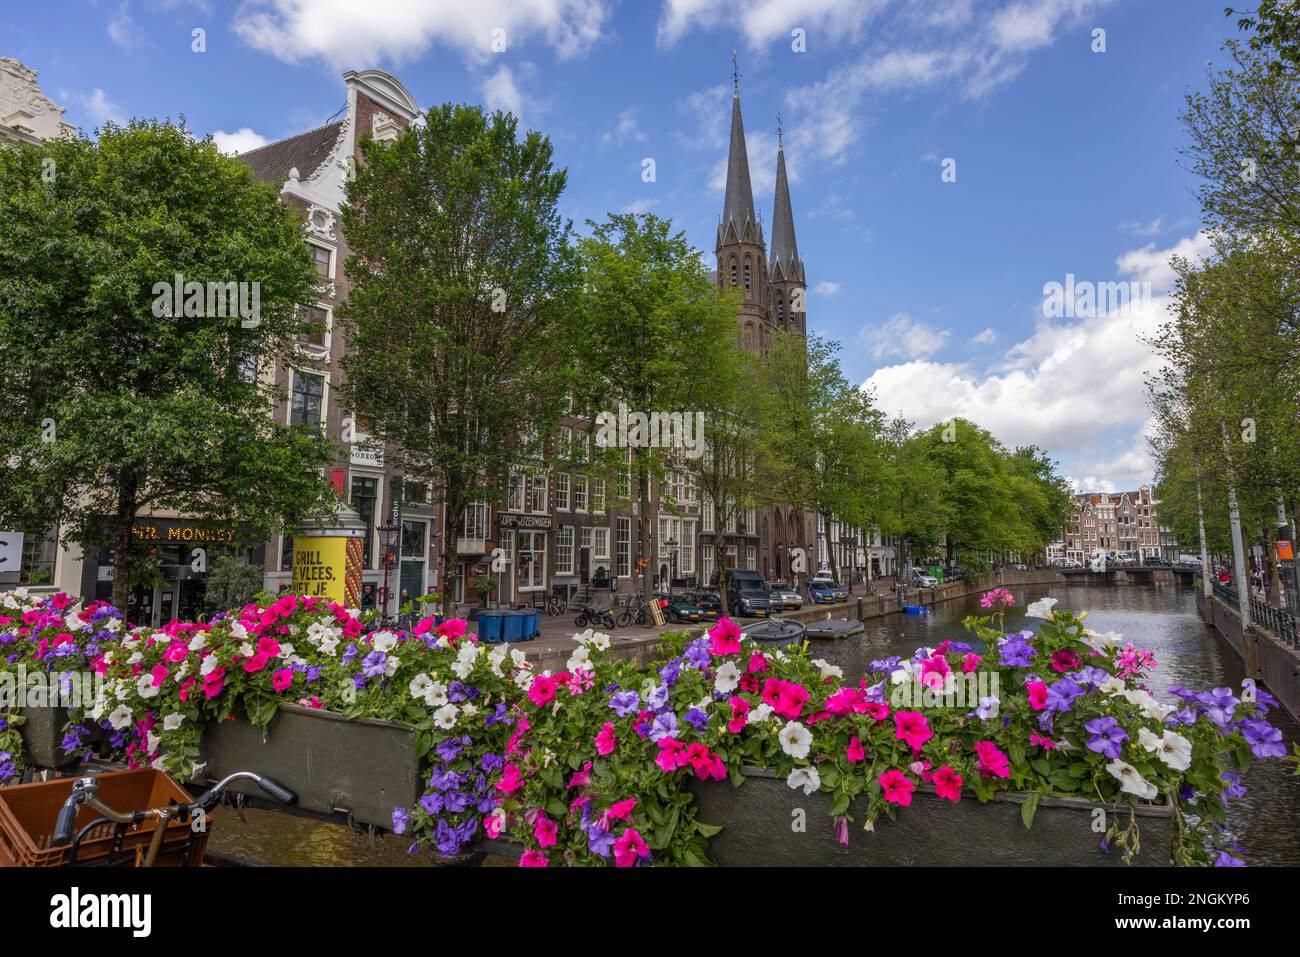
(1037, 695)
(282, 680)
(606, 739)
(621, 810)
(542, 691)
(947, 784)
(855, 752)
(993, 763)
(544, 829)
(532, 859)
(739, 714)
(724, 637)
(911, 727)
(629, 848)
(897, 787)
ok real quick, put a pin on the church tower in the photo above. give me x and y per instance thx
(787, 308)
(742, 258)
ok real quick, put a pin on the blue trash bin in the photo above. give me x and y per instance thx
(512, 625)
(534, 626)
(490, 626)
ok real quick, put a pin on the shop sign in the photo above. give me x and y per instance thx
(513, 520)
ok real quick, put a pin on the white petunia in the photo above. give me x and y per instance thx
(136, 658)
(209, 665)
(1113, 685)
(329, 646)
(74, 623)
(419, 685)
(1175, 751)
(468, 709)
(759, 714)
(828, 670)
(435, 694)
(581, 658)
(795, 739)
(286, 651)
(173, 721)
(1148, 740)
(807, 778)
(903, 674)
(445, 717)
(391, 664)
(151, 742)
(198, 641)
(727, 678)
(519, 657)
(384, 641)
(523, 680)
(1130, 781)
(246, 650)
(1041, 608)
(238, 631)
(120, 719)
(113, 624)
(1101, 641)
(144, 686)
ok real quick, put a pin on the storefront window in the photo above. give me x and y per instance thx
(39, 551)
(364, 494)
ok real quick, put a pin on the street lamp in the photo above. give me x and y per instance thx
(672, 545)
(388, 539)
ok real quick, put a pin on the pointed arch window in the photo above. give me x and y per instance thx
(780, 310)
(733, 271)
(746, 275)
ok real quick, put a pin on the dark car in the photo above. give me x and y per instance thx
(681, 609)
(708, 602)
(747, 594)
(825, 590)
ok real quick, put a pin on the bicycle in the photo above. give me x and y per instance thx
(639, 614)
(555, 605)
(590, 616)
(85, 792)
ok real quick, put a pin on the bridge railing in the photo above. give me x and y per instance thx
(1278, 621)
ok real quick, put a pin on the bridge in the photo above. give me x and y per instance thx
(1185, 574)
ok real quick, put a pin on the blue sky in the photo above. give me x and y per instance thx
(1066, 158)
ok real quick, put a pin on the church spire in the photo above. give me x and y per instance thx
(785, 251)
(738, 206)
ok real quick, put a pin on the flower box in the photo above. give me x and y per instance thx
(42, 733)
(364, 767)
(759, 828)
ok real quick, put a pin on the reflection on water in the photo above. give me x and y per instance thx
(1160, 617)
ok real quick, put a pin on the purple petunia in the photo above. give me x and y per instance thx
(625, 703)
(697, 719)
(1265, 740)
(1107, 736)
(663, 726)
(1015, 651)
(1220, 704)
(374, 664)
(1060, 696)
(401, 818)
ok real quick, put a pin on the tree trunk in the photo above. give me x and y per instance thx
(642, 524)
(447, 572)
(719, 562)
(1206, 587)
(1238, 551)
(830, 550)
(124, 557)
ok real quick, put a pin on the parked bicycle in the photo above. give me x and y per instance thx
(590, 616)
(555, 605)
(637, 613)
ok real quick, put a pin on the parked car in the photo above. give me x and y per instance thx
(707, 601)
(825, 590)
(747, 594)
(681, 609)
(785, 598)
(922, 579)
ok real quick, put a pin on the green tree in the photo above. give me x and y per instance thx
(655, 337)
(114, 406)
(459, 315)
(913, 507)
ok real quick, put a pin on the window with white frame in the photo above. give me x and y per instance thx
(706, 514)
(564, 550)
(561, 491)
(751, 556)
(515, 492)
(537, 497)
(598, 495)
(579, 493)
(706, 564)
(600, 544)
(623, 548)
(686, 551)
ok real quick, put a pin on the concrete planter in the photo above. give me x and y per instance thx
(757, 818)
(42, 733)
(332, 763)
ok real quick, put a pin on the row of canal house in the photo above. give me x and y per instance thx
(561, 525)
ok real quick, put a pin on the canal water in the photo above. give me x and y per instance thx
(1160, 617)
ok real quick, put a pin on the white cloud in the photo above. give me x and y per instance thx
(122, 30)
(504, 90)
(987, 337)
(1072, 388)
(763, 21)
(640, 206)
(826, 288)
(99, 109)
(240, 141)
(833, 113)
(1143, 229)
(627, 128)
(348, 33)
(902, 337)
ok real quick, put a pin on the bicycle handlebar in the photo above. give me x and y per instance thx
(85, 791)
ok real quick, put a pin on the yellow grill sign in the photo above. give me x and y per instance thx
(320, 568)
